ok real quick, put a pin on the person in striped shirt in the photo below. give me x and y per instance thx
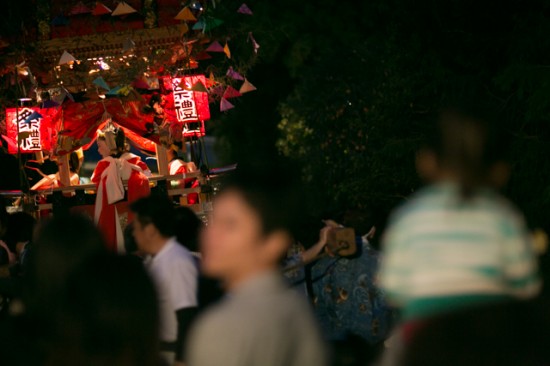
(457, 243)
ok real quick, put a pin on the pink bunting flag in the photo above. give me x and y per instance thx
(244, 9)
(225, 105)
(79, 9)
(231, 92)
(202, 56)
(215, 47)
(254, 43)
(234, 74)
(246, 87)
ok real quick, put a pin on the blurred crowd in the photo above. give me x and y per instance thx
(451, 277)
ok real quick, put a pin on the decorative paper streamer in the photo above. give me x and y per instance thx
(231, 92)
(215, 47)
(244, 9)
(234, 74)
(66, 57)
(225, 105)
(79, 9)
(123, 9)
(100, 82)
(246, 87)
(226, 50)
(186, 14)
(101, 9)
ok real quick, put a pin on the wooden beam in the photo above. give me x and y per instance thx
(162, 160)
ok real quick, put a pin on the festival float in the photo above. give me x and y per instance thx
(153, 68)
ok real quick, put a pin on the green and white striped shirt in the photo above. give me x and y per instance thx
(443, 253)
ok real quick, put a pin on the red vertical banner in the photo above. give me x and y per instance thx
(31, 127)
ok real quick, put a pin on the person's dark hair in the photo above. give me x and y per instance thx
(130, 245)
(74, 163)
(20, 228)
(271, 195)
(110, 316)
(187, 228)
(62, 245)
(157, 210)
(466, 142)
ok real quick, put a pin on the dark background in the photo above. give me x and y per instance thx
(346, 90)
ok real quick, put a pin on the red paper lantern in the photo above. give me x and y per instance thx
(190, 105)
(32, 127)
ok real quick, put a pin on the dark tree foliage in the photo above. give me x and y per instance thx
(356, 84)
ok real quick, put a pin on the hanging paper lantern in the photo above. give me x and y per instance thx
(30, 128)
(190, 105)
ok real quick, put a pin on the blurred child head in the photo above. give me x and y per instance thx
(466, 148)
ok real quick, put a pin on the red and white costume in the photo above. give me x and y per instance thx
(108, 176)
(179, 167)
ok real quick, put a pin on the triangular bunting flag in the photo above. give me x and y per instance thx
(255, 44)
(140, 84)
(202, 56)
(66, 57)
(60, 20)
(212, 23)
(79, 9)
(234, 74)
(226, 50)
(225, 105)
(246, 87)
(244, 9)
(231, 92)
(198, 87)
(114, 91)
(128, 45)
(186, 15)
(34, 115)
(123, 9)
(67, 94)
(215, 47)
(184, 29)
(101, 9)
(200, 25)
(100, 82)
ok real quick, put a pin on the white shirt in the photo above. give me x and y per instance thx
(175, 273)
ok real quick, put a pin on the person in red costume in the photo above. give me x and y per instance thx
(177, 166)
(108, 176)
